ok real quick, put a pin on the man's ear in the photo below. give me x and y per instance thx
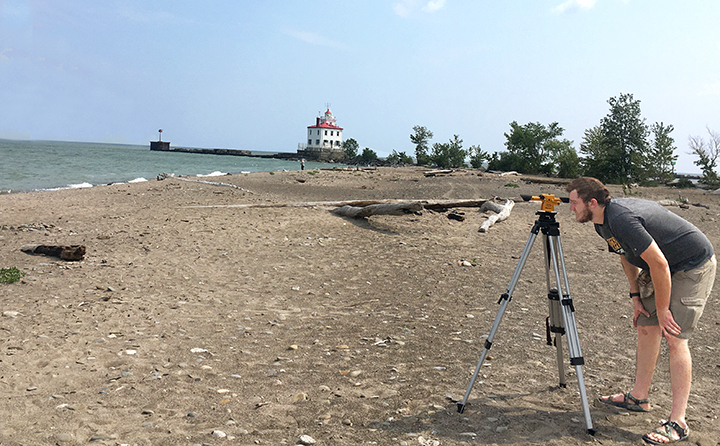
(593, 203)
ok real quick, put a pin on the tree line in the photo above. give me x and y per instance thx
(621, 149)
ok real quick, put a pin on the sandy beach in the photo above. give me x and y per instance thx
(244, 312)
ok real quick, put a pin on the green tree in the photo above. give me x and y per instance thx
(594, 162)
(450, 154)
(660, 162)
(368, 155)
(535, 146)
(506, 162)
(566, 163)
(421, 138)
(350, 147)
(399, 158)
(625, 141)
(708, 153)
(477, 157)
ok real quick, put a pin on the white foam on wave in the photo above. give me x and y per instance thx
(213, 174)
(79, 186)
(138, 180)
(69, 186)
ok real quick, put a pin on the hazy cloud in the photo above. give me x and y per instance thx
(572, 6)
(434, 5)
(314, 39)
(404, 8)
(3, 56)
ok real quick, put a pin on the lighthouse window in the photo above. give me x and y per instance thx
(309, 142)
(325, 132)
(317, 142)
(331, 133)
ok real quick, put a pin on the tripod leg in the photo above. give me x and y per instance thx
(504, 300)
(555, 320)
(568, 313)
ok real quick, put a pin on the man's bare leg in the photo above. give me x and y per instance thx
(648, 349)
(680, 381)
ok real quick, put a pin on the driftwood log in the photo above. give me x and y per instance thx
(432, 173)
(501, 213)
(377, 209)
(73, 252)
(435, 205)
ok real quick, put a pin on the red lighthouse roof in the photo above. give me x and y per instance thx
(325, 122)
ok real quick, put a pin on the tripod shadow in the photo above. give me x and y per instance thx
(508, 419)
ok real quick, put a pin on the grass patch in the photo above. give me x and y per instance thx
(10, 275)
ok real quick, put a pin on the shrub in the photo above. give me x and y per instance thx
(10, 275)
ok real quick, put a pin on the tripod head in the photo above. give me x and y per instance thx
(549, 201)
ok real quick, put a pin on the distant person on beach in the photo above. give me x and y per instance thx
(302, 164)
(670, 266)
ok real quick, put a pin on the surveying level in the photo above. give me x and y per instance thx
(549, 201)
(562, 311)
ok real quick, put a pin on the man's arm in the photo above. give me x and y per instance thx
(632, 272)
(660, 273)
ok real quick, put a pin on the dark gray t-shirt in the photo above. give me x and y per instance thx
(632, 224)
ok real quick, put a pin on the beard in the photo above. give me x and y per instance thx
(585, 216)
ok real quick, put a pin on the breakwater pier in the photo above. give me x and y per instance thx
(165, 147)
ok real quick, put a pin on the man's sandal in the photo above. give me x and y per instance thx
(629, 402)
(666, 431)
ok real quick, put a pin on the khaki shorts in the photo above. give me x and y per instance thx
(690, 290)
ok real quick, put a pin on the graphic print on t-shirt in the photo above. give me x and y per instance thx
(615, 245)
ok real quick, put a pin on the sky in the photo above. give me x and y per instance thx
(254, 75)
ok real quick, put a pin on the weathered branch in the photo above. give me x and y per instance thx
(73, 252)
(377, 209)
(502, 213)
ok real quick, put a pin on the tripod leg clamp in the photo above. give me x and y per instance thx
(567, 301)
(504, 296)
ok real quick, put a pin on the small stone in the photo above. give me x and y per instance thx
(147, 412)
(62, 437)
(130, 352)
(293, 347)
(219, 434)
(300, 397)
(12, 314)
(306, 440)
(347, 422)
(355, 373)
(223, 391)
(342, 347)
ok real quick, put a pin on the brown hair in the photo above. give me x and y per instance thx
(588, 188)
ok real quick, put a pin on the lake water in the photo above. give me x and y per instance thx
(48, 165)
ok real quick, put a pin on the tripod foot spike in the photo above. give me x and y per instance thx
(461, 407)
(591, 432)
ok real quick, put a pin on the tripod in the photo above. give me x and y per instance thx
(562, 312)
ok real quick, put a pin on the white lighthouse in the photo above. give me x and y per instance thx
(324, 139)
